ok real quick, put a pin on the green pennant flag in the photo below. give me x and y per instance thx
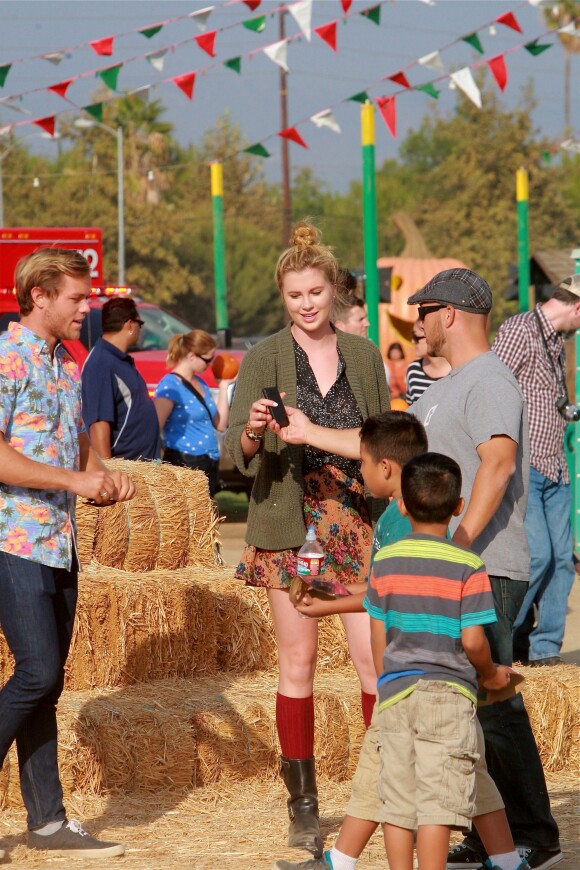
(533, 48)
(4, 70)
(234, 63)
(256, 24)
(547, 158)
(151, 31)
(430, 89)
(474, 41)
(258, 150)
(373, 14)
(361, 97)
(110, 76)
(96, 110)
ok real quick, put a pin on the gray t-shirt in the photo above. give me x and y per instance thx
(463, 410)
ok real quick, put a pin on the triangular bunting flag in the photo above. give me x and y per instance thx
(465, 82)
(346, 4)
(258, 150)
(327, 32)
(252, 4)
(499, 70)
(302, 13)
(47, 124)
(4, 70)
(388, 109)
(293, 135)
(256, 24)
(430, 89)
(4, 131)
(151, 31)
(400, 79)
(509, 20)
(157, 60)
(54, 57)
(103, 46)
(361, 97)
(474, 41)
(432, 61)
(61, 88)
(96, 110)
(277, 52)
(185, 83)
(110, 76)
(326, 119)
(569, 29)
(201, 16)
(374, 14)
(206, 41)
(10, 104)
(234, 63)
(535, 48)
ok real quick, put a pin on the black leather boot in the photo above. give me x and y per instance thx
(300, 779)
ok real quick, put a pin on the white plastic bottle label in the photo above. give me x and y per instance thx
(309, 565)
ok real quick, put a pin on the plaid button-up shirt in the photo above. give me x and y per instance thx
(519, 344)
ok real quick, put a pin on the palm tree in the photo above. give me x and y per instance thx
(557, 15)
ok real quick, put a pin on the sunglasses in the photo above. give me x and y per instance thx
(424, 310)
(207, 360)
(416, 338)
(138, 320)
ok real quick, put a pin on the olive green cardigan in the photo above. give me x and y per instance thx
(275, 517)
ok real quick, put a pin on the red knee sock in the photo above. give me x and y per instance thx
(295, 724)
(367, 703)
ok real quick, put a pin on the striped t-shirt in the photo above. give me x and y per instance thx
(426, 590)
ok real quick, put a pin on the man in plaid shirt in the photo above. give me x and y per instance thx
(532, 346)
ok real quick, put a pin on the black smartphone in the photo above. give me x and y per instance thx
(279, 412)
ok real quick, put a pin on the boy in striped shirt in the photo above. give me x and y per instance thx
(428, 600)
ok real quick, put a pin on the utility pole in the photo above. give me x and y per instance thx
(287, 205)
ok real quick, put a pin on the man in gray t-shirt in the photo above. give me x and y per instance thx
(476, 415)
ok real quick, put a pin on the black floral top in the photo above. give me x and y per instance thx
(336, 410)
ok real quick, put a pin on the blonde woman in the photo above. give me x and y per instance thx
(188, 416)
(338, 380)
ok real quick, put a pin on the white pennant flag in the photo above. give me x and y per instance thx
(10, 104)
(568, 145)
(433, 61)
(278, 53)
(201, 16)
(54, 57)
(570, 29)
(326, 119)
(302, 13)
(429, 2)
(464, 80)
(157, 60)
(4, 131)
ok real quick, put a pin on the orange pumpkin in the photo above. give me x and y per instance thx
(225, 366)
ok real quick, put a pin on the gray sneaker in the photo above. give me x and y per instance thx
(72, 840)
(313, 864)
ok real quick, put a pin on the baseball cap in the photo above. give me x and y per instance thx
(571, 284)
(460, 288)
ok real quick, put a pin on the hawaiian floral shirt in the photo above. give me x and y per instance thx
(40, 417)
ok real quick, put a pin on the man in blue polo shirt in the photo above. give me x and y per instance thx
(117, 410)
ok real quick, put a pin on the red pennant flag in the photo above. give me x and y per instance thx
(252, 4)
(185, 83)
(346, 4)
(293, 135)
(61, 88)
(499, 70)
(400, 79)
(103, 46)
(207, 41)
(509, 19)
(388, 109)
(327, 32)
(46, 124)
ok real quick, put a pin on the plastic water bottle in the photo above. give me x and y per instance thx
(310, 555)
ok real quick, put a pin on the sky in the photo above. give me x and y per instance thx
(319, 78)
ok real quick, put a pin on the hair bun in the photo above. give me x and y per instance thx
(304, 235)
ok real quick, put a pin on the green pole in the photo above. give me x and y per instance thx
(522, 196)
(219, 247)
(370, 219)
(575, 451)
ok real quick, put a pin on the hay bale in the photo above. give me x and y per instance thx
(203, 516)
(172, 514)
(86, 531)
(552, 699)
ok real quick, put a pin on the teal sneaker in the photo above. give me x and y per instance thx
(489, 866)
(322, 863)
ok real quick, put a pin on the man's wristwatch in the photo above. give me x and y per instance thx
(253, 436)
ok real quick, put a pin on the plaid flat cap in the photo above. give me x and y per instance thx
(460, 288)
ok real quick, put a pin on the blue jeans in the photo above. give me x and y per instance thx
(37, 610)
(549, 534)
(510, 748)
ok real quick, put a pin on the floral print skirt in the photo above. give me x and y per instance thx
(335, 504)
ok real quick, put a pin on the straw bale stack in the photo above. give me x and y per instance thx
(171, 522)
(552, 698)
